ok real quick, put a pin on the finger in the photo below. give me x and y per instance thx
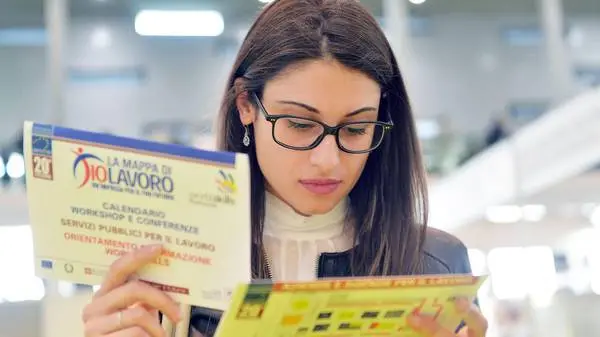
(135, 331)
(152, 311)
(149, 309)
(427, 326)
(182, 328)
(476, 323)
(123, 268)
(128, 295)
(135, 316)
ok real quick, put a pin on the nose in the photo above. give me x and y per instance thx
(326, 156)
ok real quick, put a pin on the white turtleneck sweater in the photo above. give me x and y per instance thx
(294, 242)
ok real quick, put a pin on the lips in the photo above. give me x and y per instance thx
(321, 186)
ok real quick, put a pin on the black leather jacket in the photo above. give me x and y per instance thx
(443, 254)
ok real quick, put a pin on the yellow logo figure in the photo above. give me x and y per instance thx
(226, 182)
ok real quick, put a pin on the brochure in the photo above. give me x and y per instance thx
(349, 308)
(94, 197)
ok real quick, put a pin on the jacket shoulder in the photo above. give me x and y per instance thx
(443, 253)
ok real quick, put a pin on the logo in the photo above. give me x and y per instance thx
(123, 175)
(91, 172)
(47, 264)
(227, 188)
(41, 145)
(93, 271)
(69, 268)
(226, 183)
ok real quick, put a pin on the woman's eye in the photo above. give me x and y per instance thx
(297, 125)
(357, 131)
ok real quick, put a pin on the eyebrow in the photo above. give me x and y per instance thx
(315, 110)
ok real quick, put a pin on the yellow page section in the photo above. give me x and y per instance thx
(353, 307)
(95, 197)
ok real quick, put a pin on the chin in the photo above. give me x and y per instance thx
(315, 207)
(318, 210)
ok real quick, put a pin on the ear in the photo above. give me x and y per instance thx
(243, 102)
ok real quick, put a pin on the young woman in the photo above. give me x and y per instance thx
(317, 101)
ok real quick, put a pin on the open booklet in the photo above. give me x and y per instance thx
(93, 197)
(349, 307)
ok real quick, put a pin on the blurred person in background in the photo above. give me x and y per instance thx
(317, 101)
(451, 146)
(496, 132)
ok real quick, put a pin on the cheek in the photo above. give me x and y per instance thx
(262, 135)
(354, 165)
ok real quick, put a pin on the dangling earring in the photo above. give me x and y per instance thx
(246, 139)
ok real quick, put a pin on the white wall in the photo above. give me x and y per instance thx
(184, 79)
(22, 87)
(462, 66)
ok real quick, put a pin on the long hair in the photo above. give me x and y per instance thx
(389, 202)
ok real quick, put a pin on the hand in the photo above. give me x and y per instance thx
(476, 324)
(124, 307)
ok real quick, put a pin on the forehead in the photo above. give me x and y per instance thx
(324, 84)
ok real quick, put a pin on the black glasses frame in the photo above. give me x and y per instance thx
(327, 130)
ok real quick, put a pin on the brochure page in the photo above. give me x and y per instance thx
(94, 197)
(350, 308)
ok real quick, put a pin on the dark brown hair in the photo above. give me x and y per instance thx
(389, 201)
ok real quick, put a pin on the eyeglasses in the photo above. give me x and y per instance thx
(299, 133)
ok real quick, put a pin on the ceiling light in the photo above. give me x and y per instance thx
(533, 213)
(416, 2)
(504, 214)
(179, 23)
(265, 1)
(15, 167)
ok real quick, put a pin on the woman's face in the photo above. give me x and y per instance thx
(312, 181)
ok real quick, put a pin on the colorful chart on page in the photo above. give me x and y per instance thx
(94, 197)
(344, 308)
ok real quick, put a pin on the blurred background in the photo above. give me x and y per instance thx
(506, 97)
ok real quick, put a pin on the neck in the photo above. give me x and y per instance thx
(282, 220)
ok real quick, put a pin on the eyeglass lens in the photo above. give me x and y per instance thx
(304, 133)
